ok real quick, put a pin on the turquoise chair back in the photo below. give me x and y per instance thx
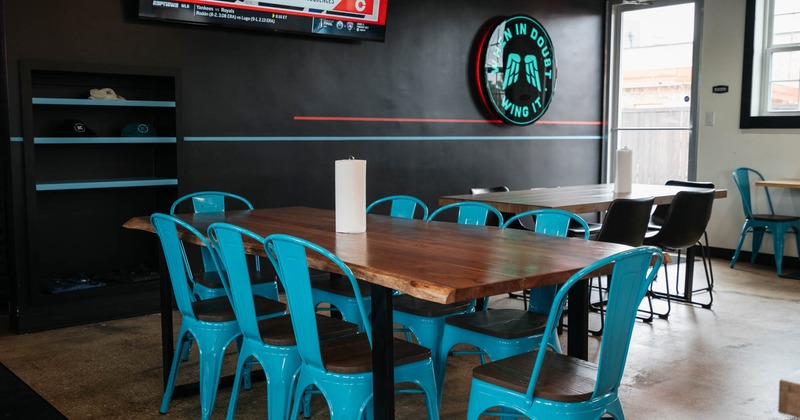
(288, 255)
(402, 206)
(209, 202)
(166, 226)
(228, 241)
(549, 222)
(741, 177)
(470, 213)
(632, 273)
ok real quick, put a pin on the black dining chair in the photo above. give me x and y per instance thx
(683, 227)
(660, 213)
(625, 223)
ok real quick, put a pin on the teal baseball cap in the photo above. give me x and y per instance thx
(138, 130)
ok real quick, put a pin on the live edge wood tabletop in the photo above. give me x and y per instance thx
(436, 261)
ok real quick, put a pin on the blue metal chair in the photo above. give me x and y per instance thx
(341, 369)
(270, 342)
(332, 290)
(502, 333)
(425, 320)
(544, 384)
(210, 322)
(469, 213)
(758, 224)
(403, 206)
(208, 283)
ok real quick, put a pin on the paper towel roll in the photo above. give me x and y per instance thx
(351, 196)
(624, 178)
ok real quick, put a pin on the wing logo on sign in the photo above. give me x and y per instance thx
(515, 46)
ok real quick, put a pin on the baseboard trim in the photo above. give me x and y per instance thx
(789, 262)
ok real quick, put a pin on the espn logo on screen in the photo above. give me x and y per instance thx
(356, 6)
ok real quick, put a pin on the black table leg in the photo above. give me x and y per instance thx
(578, 321)
(688, 279)
(382, 352)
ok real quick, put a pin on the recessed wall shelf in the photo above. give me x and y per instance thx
(80, 189)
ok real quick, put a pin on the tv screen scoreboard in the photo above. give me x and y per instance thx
(358, 19)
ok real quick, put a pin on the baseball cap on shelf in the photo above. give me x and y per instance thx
(104, 93)
(76, 128)
(138, 130)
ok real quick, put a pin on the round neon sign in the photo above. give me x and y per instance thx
(516, 70)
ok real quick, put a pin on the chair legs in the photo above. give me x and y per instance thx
(493, 347)
(427, 330)
(777, 243)
(745, 228)
(778, 230)
(350, 396)
(280, 367)
(599, 305)
(681, 297)
(211, 342)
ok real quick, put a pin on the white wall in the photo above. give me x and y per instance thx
(723, 147)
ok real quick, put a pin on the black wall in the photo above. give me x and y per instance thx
(240, 83)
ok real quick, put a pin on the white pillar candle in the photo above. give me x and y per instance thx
(624, 176)
(351, 196)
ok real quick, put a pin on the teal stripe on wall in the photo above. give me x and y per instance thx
(377, 138)
(392, 138)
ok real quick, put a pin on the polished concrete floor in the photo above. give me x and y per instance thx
(722, 363)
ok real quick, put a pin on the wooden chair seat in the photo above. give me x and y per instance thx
(501, 323)
(353, 354)
(220, 310)
(775, 217)
(212, 280)
(562, 378)
(420, 307)
(278, 331)
(339, 286)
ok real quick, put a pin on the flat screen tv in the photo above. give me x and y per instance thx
(349, 19)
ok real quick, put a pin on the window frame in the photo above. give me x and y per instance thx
(758, 49)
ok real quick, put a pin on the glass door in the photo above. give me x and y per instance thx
(651, 89)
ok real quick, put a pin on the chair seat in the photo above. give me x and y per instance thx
(577, 231)
(339, 286)
(420, 307)
(352, 354)
(562, 378)
(220, 310)
(278, 331)
(775, 218)
(211, 279)
(501, 323)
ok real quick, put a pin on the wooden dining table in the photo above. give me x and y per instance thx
(582, 199)
(578, 199)
(437, 261)
(779, 183)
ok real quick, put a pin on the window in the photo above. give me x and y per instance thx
(771, 76)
